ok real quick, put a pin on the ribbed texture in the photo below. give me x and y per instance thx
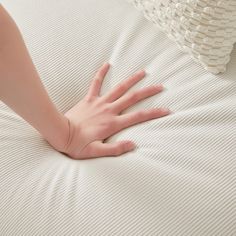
(181, 178)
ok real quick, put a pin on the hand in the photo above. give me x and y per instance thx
(96, 118)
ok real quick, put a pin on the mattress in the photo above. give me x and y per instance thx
(180, 179)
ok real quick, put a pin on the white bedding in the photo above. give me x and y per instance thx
(180, 180)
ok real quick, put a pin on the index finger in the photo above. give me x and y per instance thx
(95, 87)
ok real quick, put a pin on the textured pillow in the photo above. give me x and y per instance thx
(206, 29)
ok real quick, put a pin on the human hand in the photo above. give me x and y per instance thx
(95, 117)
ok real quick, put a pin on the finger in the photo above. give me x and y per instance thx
(99, 149)
(131, 98)
(127, 120)
(124, 86)
(95, 87)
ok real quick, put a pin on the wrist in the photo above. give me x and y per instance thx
(69, 137)
(61, 137)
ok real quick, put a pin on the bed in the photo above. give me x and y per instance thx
(180, 179)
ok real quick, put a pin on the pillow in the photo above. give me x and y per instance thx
(206, 29)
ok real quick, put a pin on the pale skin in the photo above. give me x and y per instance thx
(80, 132)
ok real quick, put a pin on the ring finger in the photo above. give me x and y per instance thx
(130, 119)
(131, 98)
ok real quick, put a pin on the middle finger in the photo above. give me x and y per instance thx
(132, 98)
(123, 86)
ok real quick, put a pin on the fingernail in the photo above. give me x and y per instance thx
(131, 145)
(106, 64)
(141, 72)
(160, 86)
(165, 110)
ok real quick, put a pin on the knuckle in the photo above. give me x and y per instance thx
(113, 125)
(118, 150)
(109, 126)
(122, 87)
(107, 109)
(142, 114)
(134, 96)
(99, 71)
(89, 98)
(96, 80)
(105, 129)
(156, 112)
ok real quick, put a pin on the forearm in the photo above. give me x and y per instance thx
(21, 88)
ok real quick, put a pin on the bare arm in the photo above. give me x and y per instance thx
(21, 88)
(81, 131)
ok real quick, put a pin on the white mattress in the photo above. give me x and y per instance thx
(181, 178)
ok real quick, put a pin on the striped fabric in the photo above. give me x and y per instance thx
(181, 178)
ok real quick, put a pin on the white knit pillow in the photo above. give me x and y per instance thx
(206, 29)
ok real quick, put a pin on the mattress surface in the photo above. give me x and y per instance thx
(180, 179)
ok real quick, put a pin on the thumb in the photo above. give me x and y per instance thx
(100, 149)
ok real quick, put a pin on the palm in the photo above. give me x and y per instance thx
(95, 118)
